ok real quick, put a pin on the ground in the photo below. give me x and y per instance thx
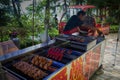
(110, 72)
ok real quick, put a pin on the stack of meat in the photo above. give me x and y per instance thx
(42, 62)
(57, 53)
(30, 70)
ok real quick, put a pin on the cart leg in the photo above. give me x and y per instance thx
(101, 66)
(100, 70)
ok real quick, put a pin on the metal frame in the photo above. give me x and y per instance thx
(56, 72)
(2, 73)
(116, 48)
(100, 62)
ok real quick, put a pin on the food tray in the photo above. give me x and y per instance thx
(12, 75)
(88, 43)
(66, 57)
(8, 66)
(20, 75)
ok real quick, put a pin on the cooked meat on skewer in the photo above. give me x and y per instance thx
(41, 62)
(30, 70)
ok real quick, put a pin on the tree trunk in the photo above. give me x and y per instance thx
(1, 34)
(77, 2)
(33, 22)
(16, 13)
(97, 11)
(18, 7)
(81, 2)
(100, 14)
(105, 12)
(65, 4)
(47, 18)
(54, 10)
(47, 12)
(15, 10)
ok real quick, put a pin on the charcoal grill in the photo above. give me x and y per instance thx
(88, 43)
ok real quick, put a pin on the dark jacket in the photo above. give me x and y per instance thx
(73, 22)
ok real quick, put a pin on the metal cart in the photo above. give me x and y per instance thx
(79, 65)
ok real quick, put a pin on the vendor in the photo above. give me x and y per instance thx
(89, 21)
(75, 24)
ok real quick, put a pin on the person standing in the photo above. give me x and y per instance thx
(56, 20)
(74, 23)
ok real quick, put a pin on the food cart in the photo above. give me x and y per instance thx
(104, 28)
(67, 57)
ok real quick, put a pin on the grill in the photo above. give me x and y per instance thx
(84, 45)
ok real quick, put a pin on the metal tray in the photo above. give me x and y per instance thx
(12, 75)
(66, 58)
(8, 66)
(88, 43)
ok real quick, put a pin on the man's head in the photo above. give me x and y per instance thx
(81, 15)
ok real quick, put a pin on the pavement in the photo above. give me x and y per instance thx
(110, 72)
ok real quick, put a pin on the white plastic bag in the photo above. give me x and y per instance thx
(43, 37)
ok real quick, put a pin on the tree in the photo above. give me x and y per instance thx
(78, 2)
(16, 8)
(65, 8)
(113, 7)
(110, 6)
(4, 12)
(47, 12)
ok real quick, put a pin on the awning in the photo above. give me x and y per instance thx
(83, 7)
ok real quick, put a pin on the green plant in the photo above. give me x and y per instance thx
(114, 28)
(53, 32)
(111, 20)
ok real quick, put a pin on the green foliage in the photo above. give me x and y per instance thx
(111, 20)
(4, 33)
(5, 2)
(27, 43)
(53, 32)
(114, 28)
(112, 6)
(4, 12)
